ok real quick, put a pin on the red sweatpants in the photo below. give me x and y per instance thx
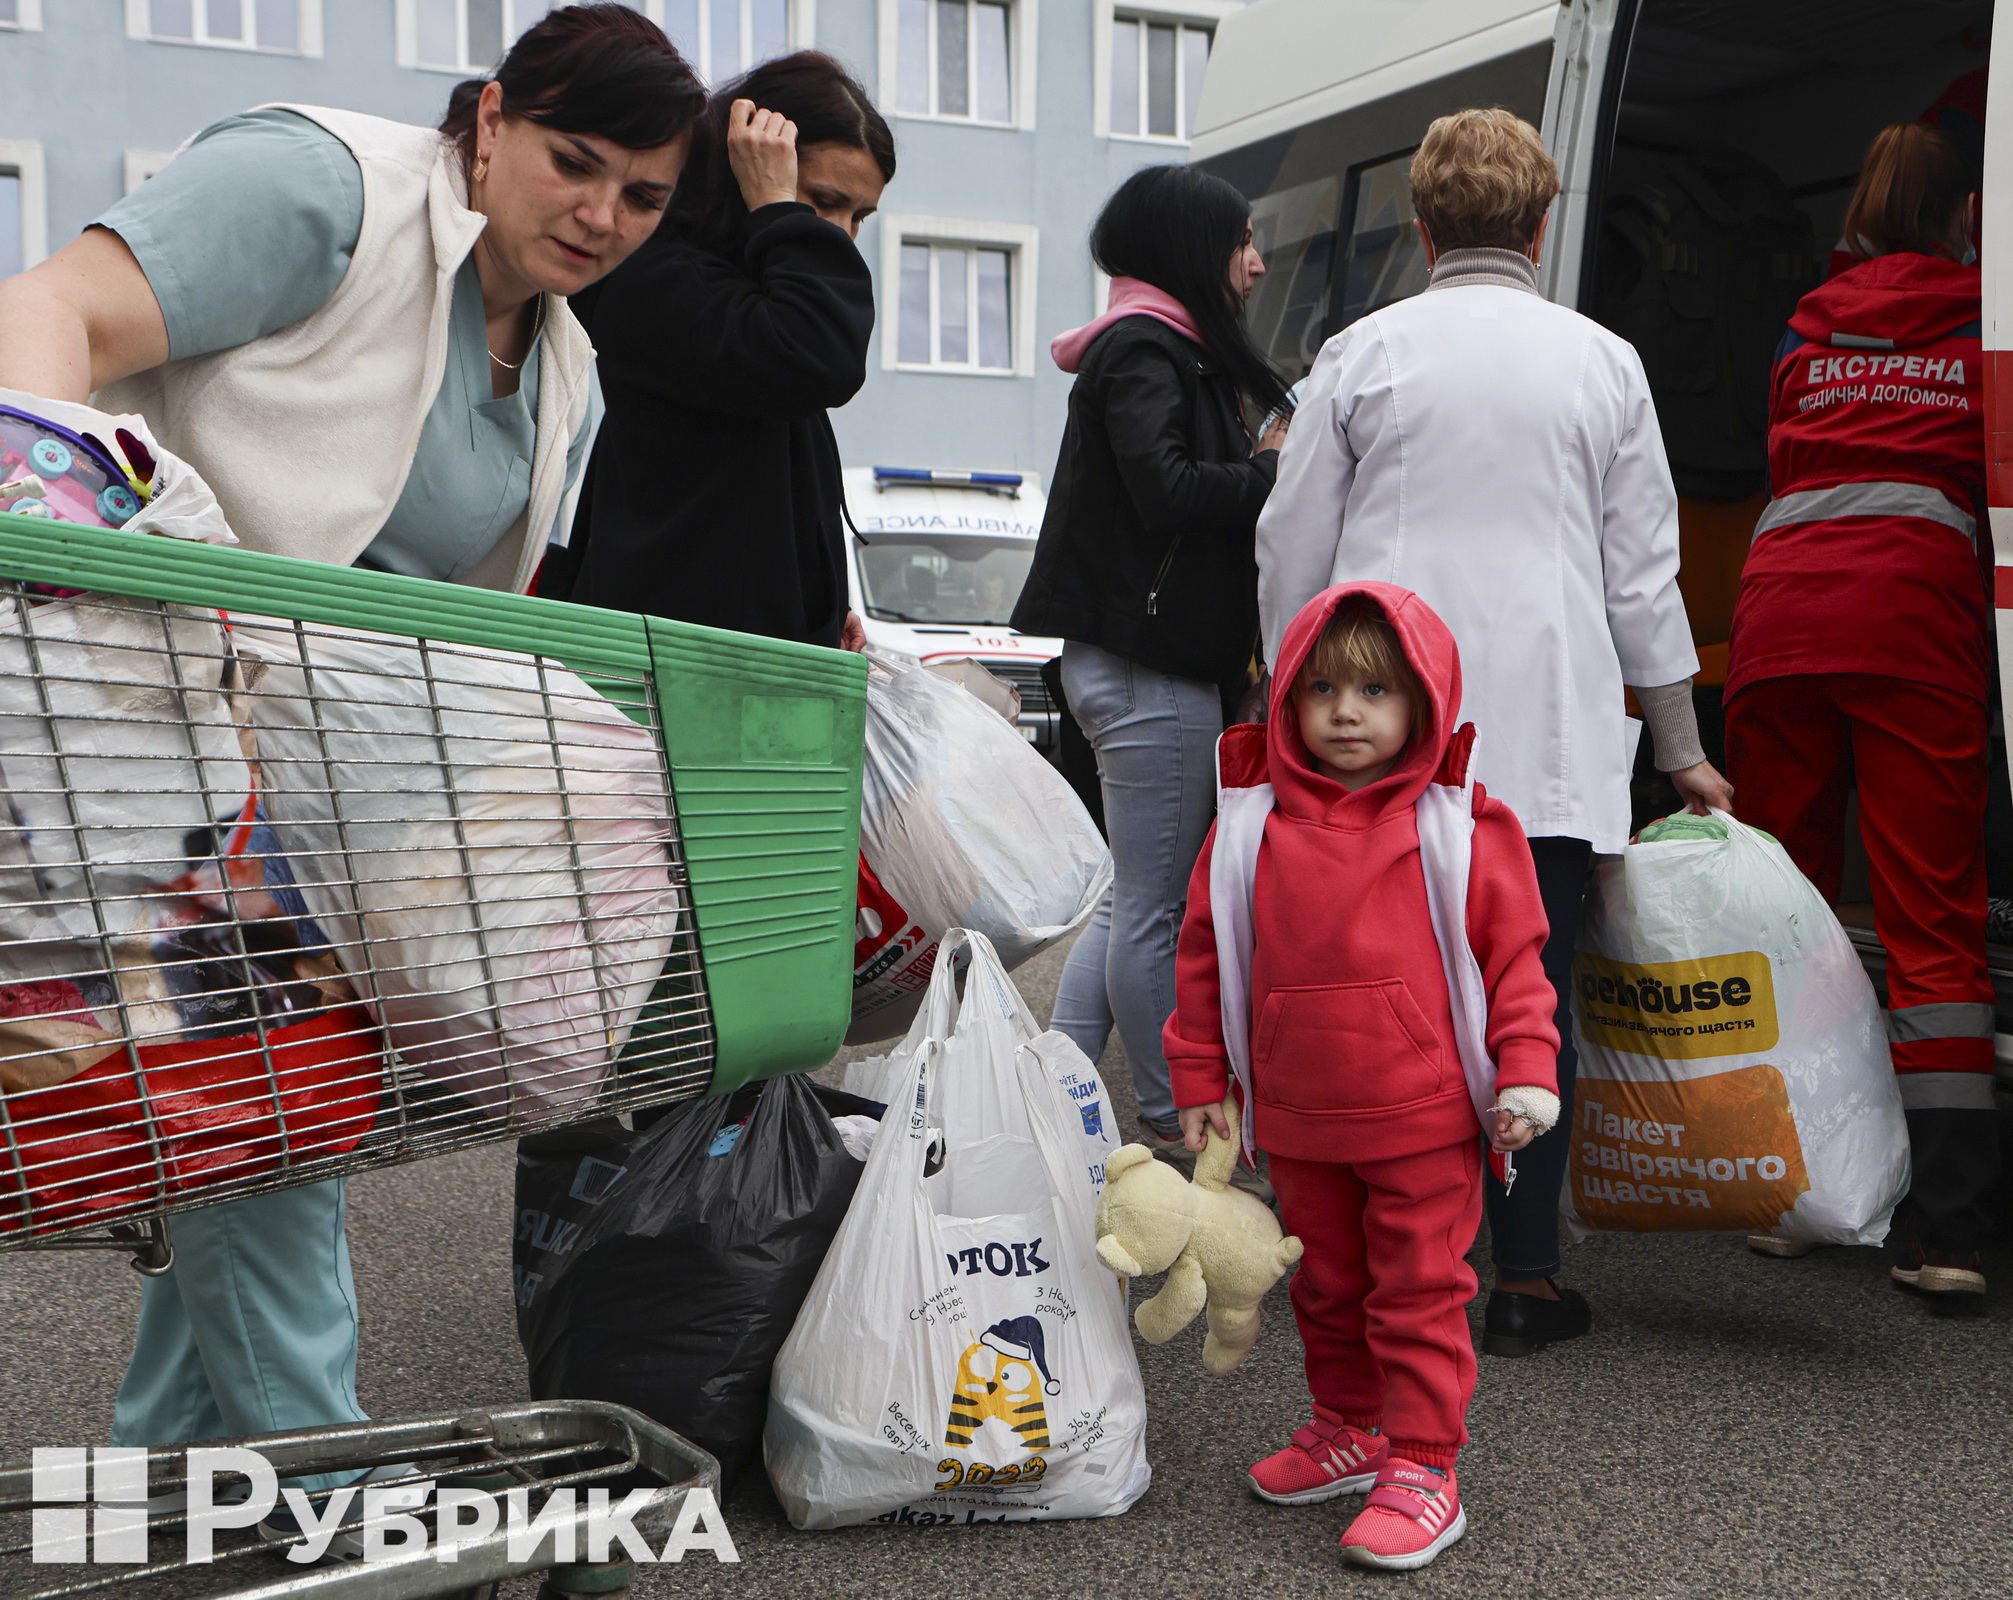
(1381, 1295)
(1794, 747)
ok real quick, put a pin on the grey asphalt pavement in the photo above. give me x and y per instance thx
(1735, 1427)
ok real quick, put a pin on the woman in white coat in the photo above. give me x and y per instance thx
(1499, 455)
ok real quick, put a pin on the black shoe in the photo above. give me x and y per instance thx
(1947, 1281)
(1523, 1324)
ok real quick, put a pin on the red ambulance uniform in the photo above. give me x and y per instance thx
(1860, 655)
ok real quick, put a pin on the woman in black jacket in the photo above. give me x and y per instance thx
(714, 493)
(1145, 570)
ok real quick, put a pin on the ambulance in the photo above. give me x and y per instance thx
(936, 562)
(1707, 150)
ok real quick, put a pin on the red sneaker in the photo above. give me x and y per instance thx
(1324, 1460)
(1411, 1516)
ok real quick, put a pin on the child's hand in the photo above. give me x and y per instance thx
(1195, 1119)
(1512, 1132)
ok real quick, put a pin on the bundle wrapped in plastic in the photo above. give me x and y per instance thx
(483, 835)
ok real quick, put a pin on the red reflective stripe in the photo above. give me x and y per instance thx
(2002, 588)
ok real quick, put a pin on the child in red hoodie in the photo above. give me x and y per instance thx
(1360, 953)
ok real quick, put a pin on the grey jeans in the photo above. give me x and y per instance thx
(1155, 737)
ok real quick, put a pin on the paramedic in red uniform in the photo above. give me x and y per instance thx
(1860, 656)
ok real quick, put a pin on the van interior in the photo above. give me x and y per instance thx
(1737, 132)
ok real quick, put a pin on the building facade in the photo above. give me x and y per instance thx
(1013, 120)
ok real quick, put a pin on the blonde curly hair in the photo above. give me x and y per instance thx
(1482, 178)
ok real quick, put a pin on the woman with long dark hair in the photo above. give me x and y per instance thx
(1862, 656)
(714, 493)
(1145, 570)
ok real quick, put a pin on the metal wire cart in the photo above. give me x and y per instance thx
(306, 870)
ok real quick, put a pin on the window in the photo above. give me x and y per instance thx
(1156, 77)
(723, 38)
(957, 307)
(1294, 231)
(461, 35)
(1382, 258)
(954, 58)
(12, 258)
(962, 295)
(22, 14)
(289, 26)
(24, 229)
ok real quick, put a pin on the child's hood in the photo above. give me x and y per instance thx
(1436, 752)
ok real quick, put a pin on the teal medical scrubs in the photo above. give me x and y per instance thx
(254, 1328)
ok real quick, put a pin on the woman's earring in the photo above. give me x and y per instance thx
(481, 169)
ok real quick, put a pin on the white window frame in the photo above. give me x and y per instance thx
(406, 37)
(1105, 13)
(27, 18)
(24, 157)
(802, 23)
(1022, 238)
(1022, 36)
(139, 25)
(143, 164)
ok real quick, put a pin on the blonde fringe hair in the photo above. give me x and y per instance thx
(1482, 178)
(1359, 645)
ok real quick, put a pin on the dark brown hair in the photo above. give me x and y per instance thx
(1911, 193)
(597, 69)
(1178, 228)
(816, 93)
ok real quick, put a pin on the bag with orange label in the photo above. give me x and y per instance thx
(1733, 1063)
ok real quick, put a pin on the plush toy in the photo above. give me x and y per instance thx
(1222, 1244)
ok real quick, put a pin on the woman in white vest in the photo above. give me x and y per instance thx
(357, 331)
(1500, 456)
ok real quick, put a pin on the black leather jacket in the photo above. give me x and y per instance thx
(1146, 550)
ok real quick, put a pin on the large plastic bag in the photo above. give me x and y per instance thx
(964, 1356)
(181, 504)
(883, 1079)
(1734, 1071)
(662, 1270)
(962, 825)
(166, 1000)
(483, 835)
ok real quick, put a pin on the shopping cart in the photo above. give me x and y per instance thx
(308, 870)
(518, 1452)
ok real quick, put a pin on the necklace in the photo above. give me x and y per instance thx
(537, 327)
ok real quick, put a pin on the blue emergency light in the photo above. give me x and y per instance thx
(1006, 483)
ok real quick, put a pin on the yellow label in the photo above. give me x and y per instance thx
(1677, 1010)
(1712, 1153)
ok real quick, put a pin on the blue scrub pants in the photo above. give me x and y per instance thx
(252, 1330)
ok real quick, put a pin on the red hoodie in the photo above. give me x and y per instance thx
(1882, 382)
(1352, 1039)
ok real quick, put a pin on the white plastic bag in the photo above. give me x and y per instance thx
(485, 849)
(884, 1078)
(182, 506)
(1733, 1070)
(963, 1356)
(962, 825)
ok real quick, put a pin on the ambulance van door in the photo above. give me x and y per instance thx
(1995, 256)
(1589, 64)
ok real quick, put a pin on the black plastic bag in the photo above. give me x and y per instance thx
(663, 1270)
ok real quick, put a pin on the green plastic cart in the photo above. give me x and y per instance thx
(756, 785)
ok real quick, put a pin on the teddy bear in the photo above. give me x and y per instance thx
(1220, 1246)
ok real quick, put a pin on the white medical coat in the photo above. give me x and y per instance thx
(1499, 455)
